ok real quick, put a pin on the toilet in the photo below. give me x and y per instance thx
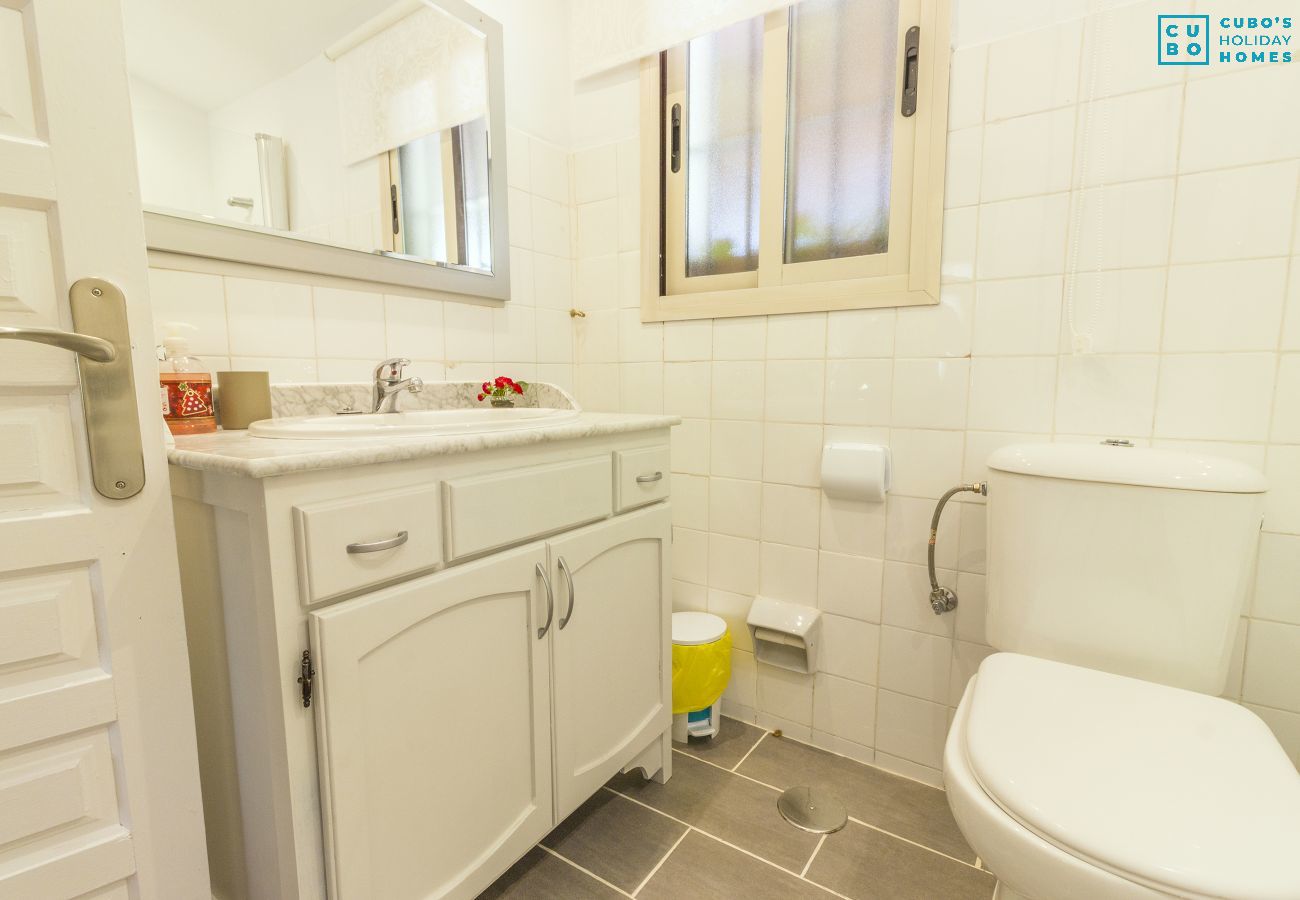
(1091, 758)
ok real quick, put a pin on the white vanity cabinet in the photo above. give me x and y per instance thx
(471, 684)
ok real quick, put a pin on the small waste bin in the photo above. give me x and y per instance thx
(701, 670)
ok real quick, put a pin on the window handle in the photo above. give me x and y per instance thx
(911, 69)
(675, 159)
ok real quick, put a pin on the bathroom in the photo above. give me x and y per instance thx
(752, 591)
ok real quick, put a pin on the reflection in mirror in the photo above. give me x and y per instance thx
(361, 124)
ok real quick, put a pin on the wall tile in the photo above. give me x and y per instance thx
(906, 596)
(859, 391)
(597, 228)
(1052, 54)
(930, 393)
(787, 695)
(1124, 226)
(926, 462)
(689, 597)
(797, 336)
(553, 281)
(1012, 393)
(595, 283)
(849, 648)
(733, 564)
(734, 610)
(1219, 110)
(688, 340)
(740, 338)
(794, 390)
(595, 174)
(413, 327)
(737, 390)
(915, 664)
(735, 507)
(691, 501)
(861, 333)
(270, 318)
(549, 171)
(1129, 137)
(1215, 397)
(1286, 404)
(639, 342)
(849, 585)
(792, 454)
(1200, 317)
(845, 709)
(194, 298)
(1291, 325)
(1112, 395)
(1118, 48)
(519, 205)
(851, 527)
(1282, 502)
(642, 388)
(961, 186)
(1277, 579)
(1119, 311)
(960, 229)
(788, 573)
(942, 330)
(1023, 237)
(737, 450)
(791, 515)
(690, 555)
(1270, 666)
(686, 389)
(907, 532)
(966, 86)
(1018, 317)
(468, 331)
(1028, 155)
(1234, 214)
(689, 446)
(911, 729)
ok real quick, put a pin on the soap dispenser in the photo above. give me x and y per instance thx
(186, 384)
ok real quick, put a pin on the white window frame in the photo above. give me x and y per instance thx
(906, 275)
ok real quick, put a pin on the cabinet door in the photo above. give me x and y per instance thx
(611, 673)
(433, 729)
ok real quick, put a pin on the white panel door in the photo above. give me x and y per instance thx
(99, 786)
(612, 632)
(434, 730)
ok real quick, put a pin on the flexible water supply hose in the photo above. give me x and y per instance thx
(943, 599)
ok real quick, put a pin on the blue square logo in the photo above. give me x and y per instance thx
(1183, 40)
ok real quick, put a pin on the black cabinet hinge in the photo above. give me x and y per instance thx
(305, 678)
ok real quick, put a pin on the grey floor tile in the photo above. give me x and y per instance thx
(726, 748)
(704, 869)
(614, 838)
(540, 876)
(725, 805)
(866, 864)
(899, 805)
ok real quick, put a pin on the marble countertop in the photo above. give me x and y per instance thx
(235, 452)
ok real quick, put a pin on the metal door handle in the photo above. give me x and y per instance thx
(568, 576)
(550, 601)
(375, 546)
(85, 345)
(649, 479)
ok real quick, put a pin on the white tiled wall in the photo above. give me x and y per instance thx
(1173, 198)
(300, 331)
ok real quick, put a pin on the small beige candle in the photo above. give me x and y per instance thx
(242, 398)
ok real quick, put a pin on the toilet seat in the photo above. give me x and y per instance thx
(1166, 789)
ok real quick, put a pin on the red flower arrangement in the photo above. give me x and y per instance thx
(501, 389)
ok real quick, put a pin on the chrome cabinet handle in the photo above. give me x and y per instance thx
(550, 601)
(568, 576)
(85, 345)
(375, 546)
(649, 479)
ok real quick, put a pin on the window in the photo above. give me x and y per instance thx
(795, 162)
(437, 190)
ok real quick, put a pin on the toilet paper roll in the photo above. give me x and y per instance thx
(853, 471)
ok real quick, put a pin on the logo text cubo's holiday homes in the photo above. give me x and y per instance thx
(1199, 40)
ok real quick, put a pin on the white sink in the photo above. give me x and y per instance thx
(414, 423)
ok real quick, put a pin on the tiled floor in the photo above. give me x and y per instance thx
(713, 831)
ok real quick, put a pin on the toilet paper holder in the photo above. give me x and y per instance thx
(856, 471)
(785, 635)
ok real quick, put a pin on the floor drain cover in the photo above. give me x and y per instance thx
(812, 810)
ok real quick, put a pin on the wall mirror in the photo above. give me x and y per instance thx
(356, 138)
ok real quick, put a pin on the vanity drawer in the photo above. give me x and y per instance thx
(641, 476)
(345, 545)
(484, 512)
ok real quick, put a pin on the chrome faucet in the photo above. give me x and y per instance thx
(389, 385)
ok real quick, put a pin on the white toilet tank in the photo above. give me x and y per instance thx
(1126, 559)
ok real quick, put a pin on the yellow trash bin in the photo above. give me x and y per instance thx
(701, 670)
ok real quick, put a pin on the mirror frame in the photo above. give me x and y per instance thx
(232, 242)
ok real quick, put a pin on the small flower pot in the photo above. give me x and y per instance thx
(503, 403)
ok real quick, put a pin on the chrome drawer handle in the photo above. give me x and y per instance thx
(650, 479)
(568, 576)
(550, 601)
(376, 546)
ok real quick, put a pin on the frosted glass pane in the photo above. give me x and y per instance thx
(843, 68)
(723, 112)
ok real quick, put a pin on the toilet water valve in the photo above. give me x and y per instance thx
(943, 599)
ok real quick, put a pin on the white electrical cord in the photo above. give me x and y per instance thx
(1081, 339)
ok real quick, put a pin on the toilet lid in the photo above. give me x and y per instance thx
(1169, 788)
(690, 628)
